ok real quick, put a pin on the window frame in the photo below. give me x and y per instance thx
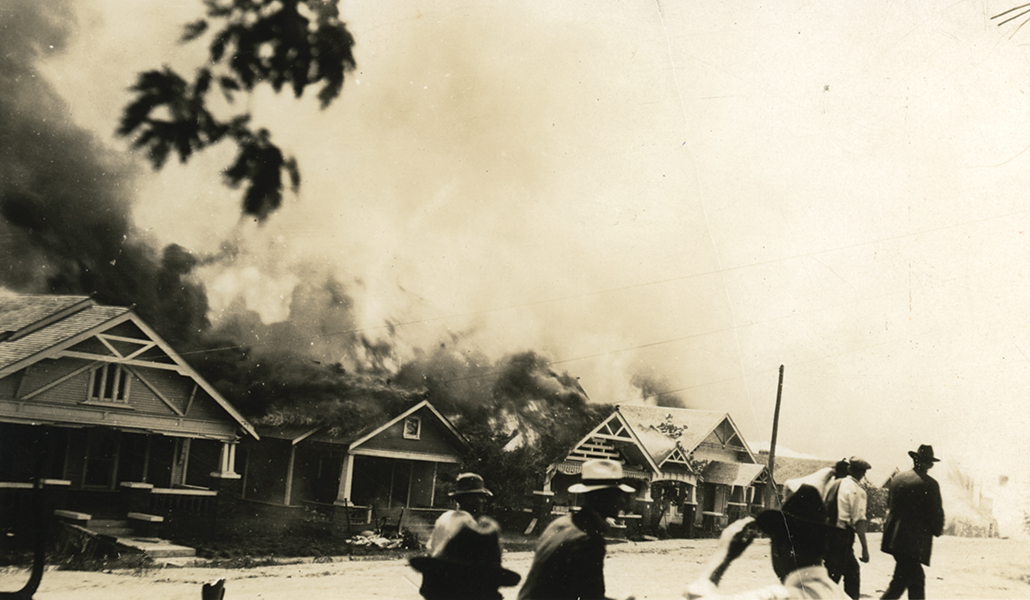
(99, 385)
(417, 434)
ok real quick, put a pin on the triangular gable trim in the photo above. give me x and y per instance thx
(677, 456)
(736, 431)
(181, 366)
(192, 374)
(743, 442)
(424, 404)
(632, 437)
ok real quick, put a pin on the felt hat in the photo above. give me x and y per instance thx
(599, 474)
(469, 483)
(803, 512)
(925, 452)
(473, 552)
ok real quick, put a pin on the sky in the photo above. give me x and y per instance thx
(698, 192)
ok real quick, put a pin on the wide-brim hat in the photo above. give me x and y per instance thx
(802, 512)
(925, 452)
(469, 483)
(600, 474)
(473, 551)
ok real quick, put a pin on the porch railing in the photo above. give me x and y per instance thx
(183, 502)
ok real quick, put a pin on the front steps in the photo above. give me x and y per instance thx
(133, 534)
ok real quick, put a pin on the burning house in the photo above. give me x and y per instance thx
(108, 416)
(391, 470)
(693, 469)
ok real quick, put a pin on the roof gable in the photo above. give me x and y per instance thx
(76, 327)
(425, 409)
(663, 429)
(613, 439)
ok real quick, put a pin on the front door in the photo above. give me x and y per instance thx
(102, 446)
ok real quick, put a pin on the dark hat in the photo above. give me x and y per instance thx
(925, 452)
(469, 483)
(473, 552)
(599, 474)
(803, 512)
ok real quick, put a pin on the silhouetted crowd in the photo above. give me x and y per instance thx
(812, 538)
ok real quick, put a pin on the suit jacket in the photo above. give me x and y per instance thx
(915, 516)
(569, 560)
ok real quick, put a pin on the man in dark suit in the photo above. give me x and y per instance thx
(915, 517)
(569, 559)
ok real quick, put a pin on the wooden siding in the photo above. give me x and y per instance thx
(434, 439)
(66, 401)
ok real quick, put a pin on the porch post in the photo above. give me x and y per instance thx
(346, 474)
(226, 463)
(343, 517)
(184, 458)
(288, 492)
(228, 484)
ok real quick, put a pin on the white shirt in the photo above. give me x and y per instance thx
(807, 582)
(851, 503)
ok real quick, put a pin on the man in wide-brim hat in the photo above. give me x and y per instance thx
(915, 516)
(471, 495)
(468, 565)
(464, 552)
(569, 559)
(797, 541)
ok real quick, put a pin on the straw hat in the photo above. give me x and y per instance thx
(599, 474)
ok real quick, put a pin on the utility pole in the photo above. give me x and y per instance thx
(775, 428)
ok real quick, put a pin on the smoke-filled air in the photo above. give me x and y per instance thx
(530, 212)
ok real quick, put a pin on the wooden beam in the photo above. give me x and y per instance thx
(157, 392)
(121, 361)
(113, 350)
(143, 349)
(53, 383)
(189, 403)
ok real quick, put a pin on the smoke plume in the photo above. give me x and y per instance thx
(66, 199)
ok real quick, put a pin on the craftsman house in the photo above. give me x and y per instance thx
(396, 469)
(94, 401)
(693, 468)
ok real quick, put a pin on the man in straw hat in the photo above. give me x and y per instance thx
(797, 535)
(915, 516)
(569, 560)
(466, 565)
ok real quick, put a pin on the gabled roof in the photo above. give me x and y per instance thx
(615, 429)
(37, 327)
(694, 426)
(423, 404)
(727, 473)
(30, 325)
(322, 433)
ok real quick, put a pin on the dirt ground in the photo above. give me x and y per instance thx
(962, 568)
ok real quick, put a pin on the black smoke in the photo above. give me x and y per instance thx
(66, 198)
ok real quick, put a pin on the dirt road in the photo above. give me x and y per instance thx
(962, 568)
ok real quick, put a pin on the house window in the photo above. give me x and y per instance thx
(109, 383)
(412, 428)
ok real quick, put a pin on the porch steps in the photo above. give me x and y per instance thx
(122, 533)
(157, 548)
(115, 528)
